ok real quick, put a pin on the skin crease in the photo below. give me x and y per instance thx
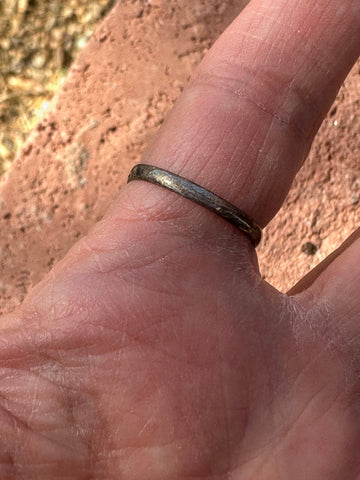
(154, 350)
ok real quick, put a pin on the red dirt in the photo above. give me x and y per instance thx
(116, 95)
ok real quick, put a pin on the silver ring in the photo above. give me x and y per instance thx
(199, 195)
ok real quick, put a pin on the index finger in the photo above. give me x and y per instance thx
(245, 122)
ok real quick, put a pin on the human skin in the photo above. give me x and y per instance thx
(154, 350)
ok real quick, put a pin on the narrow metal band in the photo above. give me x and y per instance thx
(199, 195)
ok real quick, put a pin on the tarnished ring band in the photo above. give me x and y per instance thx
(199, 195)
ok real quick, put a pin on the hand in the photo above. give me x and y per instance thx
(154, 350)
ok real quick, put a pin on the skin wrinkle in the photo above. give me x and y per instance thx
(329, 58)
(325, 331)
(171, 210)
(186, 204)
(215, 152)
(146, 446)
(82, 315)
(57, 309)
(145, 263)
(94, 256)
(189, 136)
(123, 452)
(157, 347)
(222, 174)
(38, 351)
(307, 406)
(286, 433)
(307, 19)
(247, 459)
(45, 373)
(71, 411)
(176, 235)
(304, 369)
(35, 394)
(179, 150)
(277, 442)
(24, 426)
(228, 453)
(159, 289)
(216, 476)
(311, 400)
(204, 139)
(311, 100)
(192, 152)
(225, 84)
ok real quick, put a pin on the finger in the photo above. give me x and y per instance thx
(246, 121)
(311, 277)
(333, 299)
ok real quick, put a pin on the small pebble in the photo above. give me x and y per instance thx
(39, 60)
(81, 42)
(309, 248)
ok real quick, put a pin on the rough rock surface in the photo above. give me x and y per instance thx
(117, 94)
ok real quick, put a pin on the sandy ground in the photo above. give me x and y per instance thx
(39, 40)
(115, 97)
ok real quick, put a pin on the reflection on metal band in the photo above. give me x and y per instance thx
(199, 195)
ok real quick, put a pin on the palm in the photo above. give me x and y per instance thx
(155, 351)
(156, 379)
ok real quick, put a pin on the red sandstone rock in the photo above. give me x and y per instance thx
(115, 97)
